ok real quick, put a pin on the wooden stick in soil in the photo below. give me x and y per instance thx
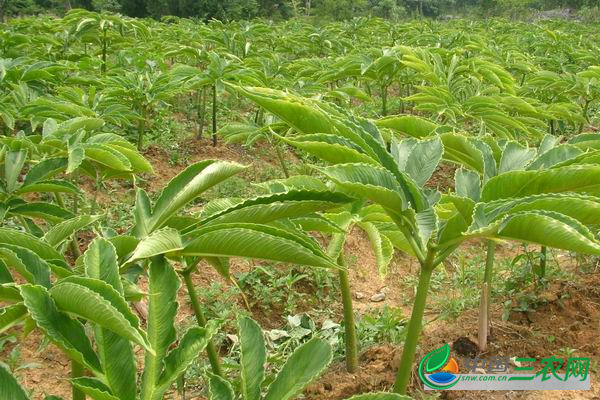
(484, 303)
(482, 336)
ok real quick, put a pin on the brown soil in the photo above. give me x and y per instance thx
(443, 177)
(573, 320)
(49, 369)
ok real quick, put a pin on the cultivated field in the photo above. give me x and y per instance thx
(278, 211)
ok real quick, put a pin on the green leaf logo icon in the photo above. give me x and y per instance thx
(437, 358)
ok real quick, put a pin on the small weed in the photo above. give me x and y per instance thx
(385, 325)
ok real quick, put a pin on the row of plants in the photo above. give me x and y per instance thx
(500, 77)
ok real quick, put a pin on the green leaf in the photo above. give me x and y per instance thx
(381, 245)
(27, 263)
(5, 275)
(54, 186)
(74, 124)
(56, 235)
(10, 292)
(95, 389)
(100, 262)
(76, 157)
(426, 223)
(107, 156)
(332, 149)
(97, 301)
(460, 150)
(124, 244)
(68, 334)
(586, 141)
(115, 352)
(142, 214)
(219, 388)
(255, 241)
(409, 125)
(316, 223)
(252, 359)
(22, 239)
(192, 343)
(374, 183)
(295, 203)
(44, 170)
(547, 228)
(296, 182)
(585, 209)
(467, 184)
(221, 265)
(138, 162)
(13, 164)
(515, 157)
(9, 387)
(304, 365)
(186, 186)
(11, 315)
(424, 159)
(296, 111)
(46, 211)
(401, 150)
(162, 308)
(576, 178)
(554, 156)
(162, 241)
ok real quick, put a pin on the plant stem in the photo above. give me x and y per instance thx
(76, 372)
(384, 95)
(201, 112)
(181, 386)
(73, 241)
(104, 44)
(141, 129)
(281, 160)
(214, 115)
(96, 191)
(543, 258)
(349, 325)
(213, 356)
(75, 196)
(415, 325)
(585, 116)
(235, 283)
(25, 225)
(489, 262)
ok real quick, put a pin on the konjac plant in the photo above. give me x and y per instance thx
(434, 226)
